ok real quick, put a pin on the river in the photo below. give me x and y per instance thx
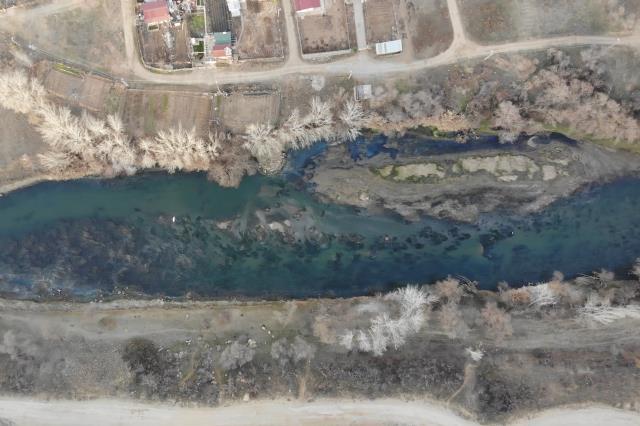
(176, 235)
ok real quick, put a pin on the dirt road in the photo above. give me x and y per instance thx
(41, 11)
(362, 64)
(28, 412)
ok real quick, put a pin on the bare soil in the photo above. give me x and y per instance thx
(18, 138)
(261, 31)
(90, 33)
(429, 27)
(239, 110)
(19, 146)
(490, 21)
(158, 53)
(79, 89)
(327, 32)
(380, 20)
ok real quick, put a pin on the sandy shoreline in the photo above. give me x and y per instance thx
(111, 412)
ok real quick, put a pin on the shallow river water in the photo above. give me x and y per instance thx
(175, 234)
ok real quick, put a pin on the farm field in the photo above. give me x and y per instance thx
(147, 112)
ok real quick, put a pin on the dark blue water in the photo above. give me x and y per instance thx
(90, 236)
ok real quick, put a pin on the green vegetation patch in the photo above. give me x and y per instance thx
(196, 25)
(413, 173)
(68, 70)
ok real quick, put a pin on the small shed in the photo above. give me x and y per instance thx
(155, 12)
(362, 92)
(389, 47)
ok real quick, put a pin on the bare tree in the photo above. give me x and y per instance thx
(385, 331)
(353, 119)
(265, 146)
(496, 321)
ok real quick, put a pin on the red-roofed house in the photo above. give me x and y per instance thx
(221, 51)
(155, 12)
(307, 6)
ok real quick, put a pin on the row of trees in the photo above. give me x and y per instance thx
(268, 144)
(528, 97)
(90, 145)
(403, 313)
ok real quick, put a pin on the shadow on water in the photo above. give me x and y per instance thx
(175, 234)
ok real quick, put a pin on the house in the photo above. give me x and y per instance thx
(222, 46)
(389, 47)
(155, 13)
(308, 6)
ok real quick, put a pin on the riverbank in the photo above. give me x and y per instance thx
(495, 356)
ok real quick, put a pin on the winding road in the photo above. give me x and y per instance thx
(361, 64)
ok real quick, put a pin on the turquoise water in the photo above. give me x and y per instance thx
(86, 236)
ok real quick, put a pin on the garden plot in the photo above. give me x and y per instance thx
(239, 110)
(429, 26)
(380, 20)
(166, 47)
(260, 30)
(327, 32)
(147, 112)
(87, 91)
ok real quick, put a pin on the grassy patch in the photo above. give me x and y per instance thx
(66, 69)
(113, 102)
(165, 102)
(196, 25)
(608, 143)
(403, 86)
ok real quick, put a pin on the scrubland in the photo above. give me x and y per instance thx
(493, 355)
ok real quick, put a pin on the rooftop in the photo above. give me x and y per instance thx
(307, 4)
(222, 38)
(389, 47)
(155, 12)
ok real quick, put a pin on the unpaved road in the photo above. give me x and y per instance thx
(29, 412)
(362, 64)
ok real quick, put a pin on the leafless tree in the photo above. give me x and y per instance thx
(496, 321)
(264, 146)
(353, 118)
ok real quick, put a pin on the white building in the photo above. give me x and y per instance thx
(389, 47)
(235, 7)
